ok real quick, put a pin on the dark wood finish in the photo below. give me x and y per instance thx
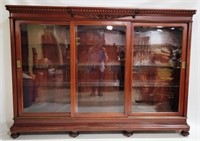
(73, 121)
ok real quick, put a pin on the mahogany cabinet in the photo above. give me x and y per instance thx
(77, 69)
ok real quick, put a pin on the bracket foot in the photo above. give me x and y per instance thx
(73, 134)
(184, 133)
(15, 135)
(127, 133)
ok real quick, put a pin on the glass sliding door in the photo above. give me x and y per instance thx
(45, 54)
(157, 57)
(100, 68)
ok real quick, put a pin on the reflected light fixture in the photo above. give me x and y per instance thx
(159, 26)
(159, 30)
(109, 27)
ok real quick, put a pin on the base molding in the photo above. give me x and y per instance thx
(75, 128)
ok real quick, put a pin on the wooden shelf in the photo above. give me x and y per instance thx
(101, 84)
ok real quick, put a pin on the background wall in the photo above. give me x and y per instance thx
(6, 110)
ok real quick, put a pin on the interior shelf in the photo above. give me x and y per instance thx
(101, 84)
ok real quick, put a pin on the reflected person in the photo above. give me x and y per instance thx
(97, 57)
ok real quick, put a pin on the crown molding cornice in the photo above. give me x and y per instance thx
(98, 12)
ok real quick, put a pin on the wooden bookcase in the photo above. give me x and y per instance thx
(79, 69)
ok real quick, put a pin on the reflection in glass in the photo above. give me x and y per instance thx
(101, 52)
(156, 68)
(45, 68)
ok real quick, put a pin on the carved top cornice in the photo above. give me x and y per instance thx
(102, 13)
(35, 9)
(97, 12)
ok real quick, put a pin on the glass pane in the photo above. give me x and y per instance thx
(101, 52)
(156, 68)
(45, 68)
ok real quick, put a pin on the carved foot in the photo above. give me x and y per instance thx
(15, 135)
(127, 133)
(184, 133)
(73, 134)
